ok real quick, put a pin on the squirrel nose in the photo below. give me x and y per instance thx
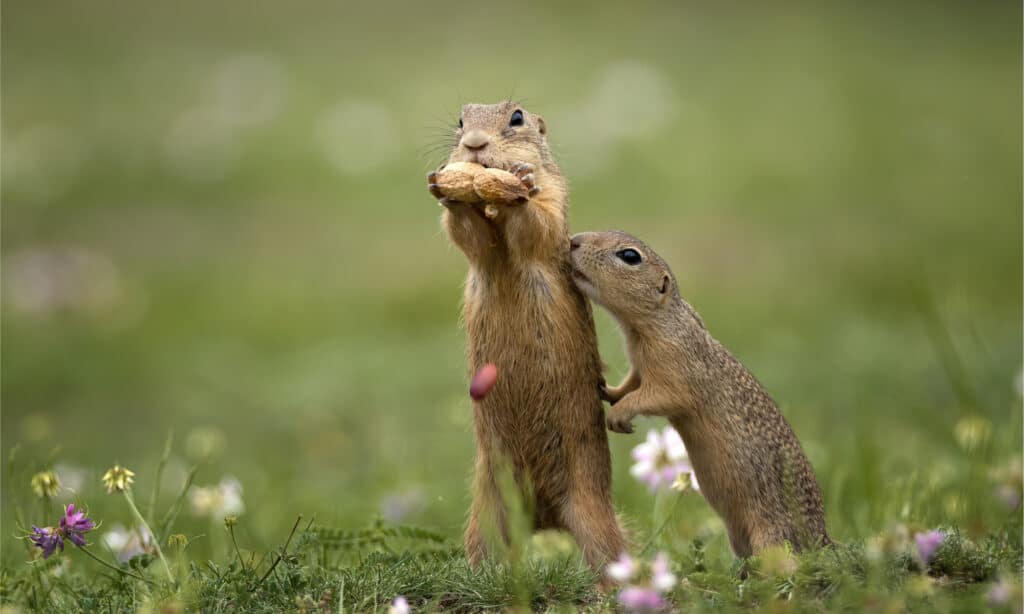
(475, 139)
(574, 242)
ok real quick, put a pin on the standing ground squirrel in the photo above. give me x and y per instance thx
(745, 456)
(505, 205)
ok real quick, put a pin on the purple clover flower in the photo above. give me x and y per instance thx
(74, 525)
(48, 539)
(928, 543)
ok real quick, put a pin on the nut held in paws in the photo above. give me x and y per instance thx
(496, 185)
(456, 181)
(485, 379)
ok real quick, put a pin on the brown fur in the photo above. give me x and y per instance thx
(747, 460)
(522, 312)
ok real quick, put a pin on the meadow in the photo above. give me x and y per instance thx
(222, 270)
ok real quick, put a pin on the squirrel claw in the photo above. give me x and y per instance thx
(521, 169)
(619, 425)
(524, 172)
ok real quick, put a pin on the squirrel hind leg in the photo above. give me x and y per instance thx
(740, 542)
(593, 523)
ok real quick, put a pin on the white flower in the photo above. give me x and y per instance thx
(660, 459)
(661, 573)
(399, 606)
(224, 499)
(622, 569)
(126, 544)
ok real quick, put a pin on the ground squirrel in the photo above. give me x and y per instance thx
(746, 458)
(505, 205)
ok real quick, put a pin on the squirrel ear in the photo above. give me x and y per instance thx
(665, 281)
(541, 125)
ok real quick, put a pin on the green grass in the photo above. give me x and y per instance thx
(321, 574)
(216, 226)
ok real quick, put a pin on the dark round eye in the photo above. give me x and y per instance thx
(460, 122)
(629, 256)
(517, 119)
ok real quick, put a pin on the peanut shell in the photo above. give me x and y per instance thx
(496, 185)
(456, 181)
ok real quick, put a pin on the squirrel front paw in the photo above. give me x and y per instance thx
(619, 423)
(524, 172)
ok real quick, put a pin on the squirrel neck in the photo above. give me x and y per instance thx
(673, 344)
(662, 330)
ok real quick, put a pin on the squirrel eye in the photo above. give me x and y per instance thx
(517, 119)
(629, 256)
(460, 122)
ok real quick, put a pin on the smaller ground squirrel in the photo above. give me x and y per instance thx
(749, 463)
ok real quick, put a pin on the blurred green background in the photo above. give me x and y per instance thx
(216, 223)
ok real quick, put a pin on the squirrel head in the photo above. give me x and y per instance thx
(500, 135)
(623, 275)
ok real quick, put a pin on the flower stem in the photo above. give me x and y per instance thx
(284, 550)
(231, 530)
(155, 493)
(664, 523)
(109, 566)
(156, 540)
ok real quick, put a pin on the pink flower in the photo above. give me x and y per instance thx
(661, 573)
(928, 543)
(660, 459)
(1009, 496)
(999, 593)
(621, 570)
(637, 599)
(650, 595)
